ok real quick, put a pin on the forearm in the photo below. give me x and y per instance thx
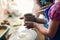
(41, 29)
(46, 6)
(42, 21)
(37, 2)
(36, 7)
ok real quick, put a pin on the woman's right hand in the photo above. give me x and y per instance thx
(29, 24)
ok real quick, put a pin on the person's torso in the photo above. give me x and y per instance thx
(57, 36)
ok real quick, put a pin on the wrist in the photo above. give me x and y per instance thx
(36, 24)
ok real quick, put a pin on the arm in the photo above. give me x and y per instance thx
(42, 21)
(46, 6)
(36, 8)
(52, 28)
(54, 22)
(37, 2)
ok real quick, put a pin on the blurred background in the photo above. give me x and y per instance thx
(10, 13)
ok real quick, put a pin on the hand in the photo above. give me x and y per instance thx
(22, 17)
(29, 24)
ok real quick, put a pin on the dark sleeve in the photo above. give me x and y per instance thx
(51, 1)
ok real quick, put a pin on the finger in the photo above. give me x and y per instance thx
(22, 17)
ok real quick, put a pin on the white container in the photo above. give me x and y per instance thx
(24, 34)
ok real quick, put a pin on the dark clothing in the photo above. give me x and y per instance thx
(43, 2)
